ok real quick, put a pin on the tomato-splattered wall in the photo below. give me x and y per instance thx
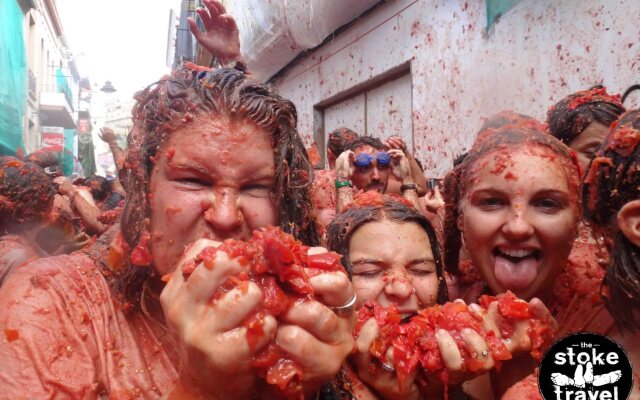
(537, 53)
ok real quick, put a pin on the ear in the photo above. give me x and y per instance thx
(629, 221)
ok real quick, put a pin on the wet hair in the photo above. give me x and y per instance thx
(503, 140)
(189, 95)
(338, 139)
(459, 159)
(365, 141)
(573, 114)
(612, 181)
(26, 193)
(44, 158)
(508, 117)
(499, 121)
(375, 207)
(99, 187)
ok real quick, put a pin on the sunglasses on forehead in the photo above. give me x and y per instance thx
(364, 160)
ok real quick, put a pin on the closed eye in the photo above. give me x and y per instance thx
(193, 182)
(422, 267)
(421, 271)
(372, 273)
(257, 190)
(366, 269)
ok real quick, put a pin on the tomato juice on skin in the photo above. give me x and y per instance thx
(519, 231)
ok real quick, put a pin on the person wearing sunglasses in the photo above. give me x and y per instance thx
(366, 165)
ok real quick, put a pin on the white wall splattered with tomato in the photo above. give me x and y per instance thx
(537, 53)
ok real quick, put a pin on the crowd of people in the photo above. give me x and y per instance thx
(141, 286)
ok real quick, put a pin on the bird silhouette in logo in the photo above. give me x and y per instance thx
(584, 376)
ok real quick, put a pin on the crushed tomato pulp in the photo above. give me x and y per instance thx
(281, 268)
(414, 343)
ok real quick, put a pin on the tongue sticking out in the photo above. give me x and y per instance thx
(515, 276)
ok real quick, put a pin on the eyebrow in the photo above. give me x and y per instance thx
(187, 165)
(263, 177)
(489, 190)
(552, 192)
(492, 190)
(367, 261)
(422, 260)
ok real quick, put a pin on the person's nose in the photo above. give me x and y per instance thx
(398, 287)
(375, 173)
(224, 214)
(518, 227)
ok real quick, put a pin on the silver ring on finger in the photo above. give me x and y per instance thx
(347, 308)
(387, 367)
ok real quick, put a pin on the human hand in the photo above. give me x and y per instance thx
(65, 187)
(381, 378)
(434, 200)
(108, 136)
(396, 142)
(213, 336)
(385, 381)
(520, 340)
(344, 164)
(400, 166)
(80, 240)
(213, 347)
(221, 36)
(77, 242)
(315, 336)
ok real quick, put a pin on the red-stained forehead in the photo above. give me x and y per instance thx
(496, 152)
(365, 148)
(373, 198)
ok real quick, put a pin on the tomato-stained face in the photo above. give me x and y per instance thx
(518, 218)
(371, 175)
(392, 263)
(212, 179)
(587, 142)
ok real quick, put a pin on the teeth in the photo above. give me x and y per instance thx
(517, 252)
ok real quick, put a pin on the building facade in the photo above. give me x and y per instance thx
(50, 101)
(431, 70)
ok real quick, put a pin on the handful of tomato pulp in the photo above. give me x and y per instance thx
(414, 343)
(281, 267)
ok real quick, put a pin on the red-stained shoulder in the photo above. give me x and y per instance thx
(66, 337)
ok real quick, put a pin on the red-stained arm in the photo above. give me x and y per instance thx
(89, 214)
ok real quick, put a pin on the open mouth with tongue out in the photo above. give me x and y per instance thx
(516, 269)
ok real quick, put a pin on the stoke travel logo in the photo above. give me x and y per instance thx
(585, 366)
